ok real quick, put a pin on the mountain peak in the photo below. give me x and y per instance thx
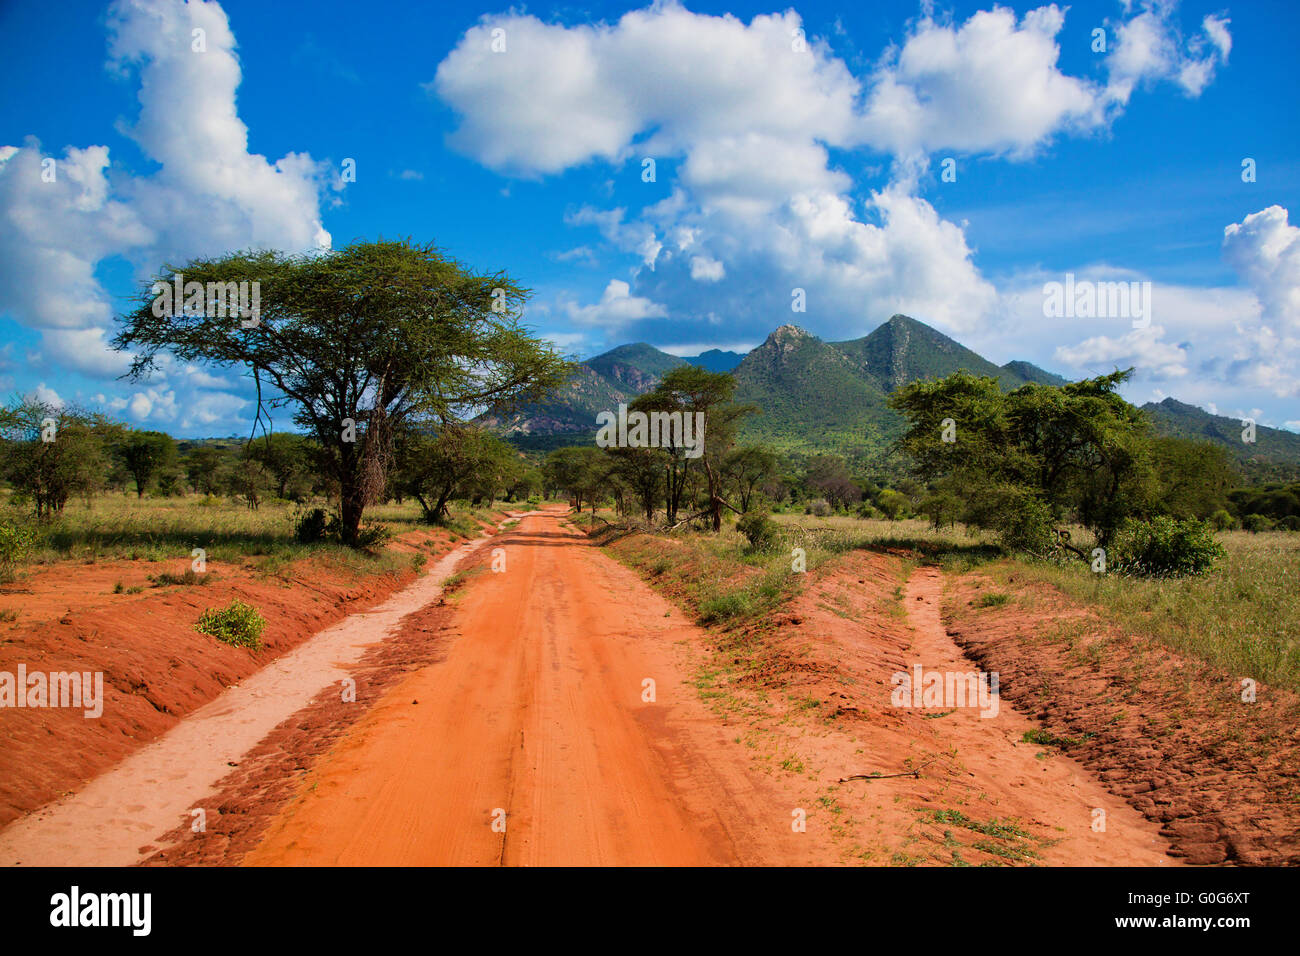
(637, 367)
(631, 349)
(787, 334)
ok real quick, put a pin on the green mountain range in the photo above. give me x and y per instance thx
(817, 396)
(1274, 455)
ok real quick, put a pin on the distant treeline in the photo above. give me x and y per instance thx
(1044, 454)
(52, 455)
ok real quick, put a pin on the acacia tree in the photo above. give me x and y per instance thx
(582, 471)
(829, 475)
(287, 459)
(358, 342)
(203, 466)
(746, 468)
(642, 471)
(692, 390)
(146, 456)
(1024, 459)
(466, 461)
(52, 453)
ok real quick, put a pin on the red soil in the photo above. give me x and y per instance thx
(1169, 734)
(156, 667)
(817, 681)
(537, 711)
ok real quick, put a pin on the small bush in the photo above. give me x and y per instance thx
(892, 503)
(761, 530)
(1222, 521)
(16, 543)
(237, 624)
(1257, 523)
(821, 508)
(1166, 547)
(1289, 523)
(374, 535)
(993, 599)
(315, 525)
(1023, 523)
(189, 577)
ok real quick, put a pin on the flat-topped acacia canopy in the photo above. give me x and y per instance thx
(359, 342)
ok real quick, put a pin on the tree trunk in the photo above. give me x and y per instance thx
(350, 509)
(351, 498)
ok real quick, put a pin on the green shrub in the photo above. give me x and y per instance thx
(189, 577)
(1222, 521)
(237, 624)
(1257, 523)
(892, 503)
(16, 543)
(761, 530)
(315, 525)
(1165, 547)
(941, 507)
(373, 535)
(1023, 521)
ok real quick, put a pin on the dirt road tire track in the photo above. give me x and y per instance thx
(537, 711)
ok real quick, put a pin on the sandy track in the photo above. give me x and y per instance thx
(534, 715)
(118, 817)
(537, 711)
(1059, 794)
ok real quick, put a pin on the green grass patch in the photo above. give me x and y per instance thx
(1045, 738)
(1241, 617)
(237, 624)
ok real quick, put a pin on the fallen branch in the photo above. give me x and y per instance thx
(886, 776)
(694, 517)
(1063, 541)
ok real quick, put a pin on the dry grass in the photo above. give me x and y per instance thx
(117, 526)
(1243, 616)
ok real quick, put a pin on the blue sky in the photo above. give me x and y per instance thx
(783, 160)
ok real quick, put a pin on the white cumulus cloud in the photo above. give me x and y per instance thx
(210, 195)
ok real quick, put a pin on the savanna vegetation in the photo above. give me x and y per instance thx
(1064, 484)
(391, 357)
(381, 352)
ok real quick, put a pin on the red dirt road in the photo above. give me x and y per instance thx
(537, 715)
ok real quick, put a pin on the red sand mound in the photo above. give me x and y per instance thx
(156, 668)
